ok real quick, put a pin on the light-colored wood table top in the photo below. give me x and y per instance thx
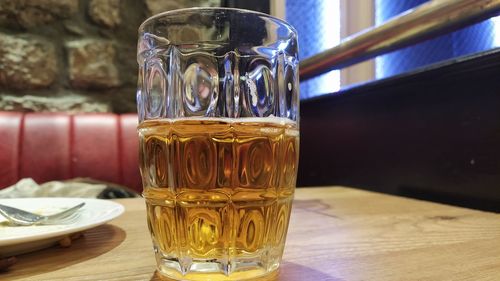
(335, 233)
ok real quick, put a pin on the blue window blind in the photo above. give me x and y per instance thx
(496, 27)
(318, 25)
(475, 38)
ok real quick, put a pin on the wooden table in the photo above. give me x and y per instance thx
(335, 233)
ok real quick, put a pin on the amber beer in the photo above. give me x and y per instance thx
(219, 191)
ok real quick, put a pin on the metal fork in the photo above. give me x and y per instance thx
(21, 217)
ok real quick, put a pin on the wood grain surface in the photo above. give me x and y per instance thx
(336, 233)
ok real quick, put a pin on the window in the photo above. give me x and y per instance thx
(496, 26)
(318, 25)
(322, 24)
(469, 40)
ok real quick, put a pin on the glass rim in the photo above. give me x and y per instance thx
(194, 9)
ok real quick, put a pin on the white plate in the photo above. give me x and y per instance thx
(21, 239)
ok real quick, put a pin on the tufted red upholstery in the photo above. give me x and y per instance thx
(57, 146)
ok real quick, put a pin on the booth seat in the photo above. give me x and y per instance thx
(59, 146)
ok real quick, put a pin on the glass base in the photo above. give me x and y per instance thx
(216, 270)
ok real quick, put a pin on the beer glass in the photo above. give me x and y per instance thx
(218, 104)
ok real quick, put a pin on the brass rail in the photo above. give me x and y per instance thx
(421, 23)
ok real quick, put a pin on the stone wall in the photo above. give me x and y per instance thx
(73, 55)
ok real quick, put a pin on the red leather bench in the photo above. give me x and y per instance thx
(58, 146)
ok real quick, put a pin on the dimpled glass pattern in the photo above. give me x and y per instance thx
(217, 63)
(218, 178)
